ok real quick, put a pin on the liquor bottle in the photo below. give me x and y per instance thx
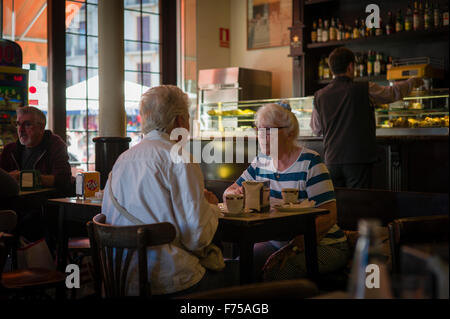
(416, 17)
(445, 16)
(325, 31)
(389, 63)
(436, 16)
(319, 30)
(390, 24)
(421, 15)
(314, 32)
(370, 63)
(356, 69)
(382, 64)
(362, 29)
(426, 17)
(377, 65)
(355, 34)
(322, 59)
(326, 70)
(339, 33)
(333, 30)
(379, 31)
(368, 261)
(399, 22)
(408, 19)
(348, 32)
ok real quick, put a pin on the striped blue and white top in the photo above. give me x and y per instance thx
(308, 174)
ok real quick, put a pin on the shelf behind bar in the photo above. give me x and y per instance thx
(404, 35)
(359, 79)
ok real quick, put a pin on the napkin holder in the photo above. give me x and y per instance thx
(30, 180)
(87, 184)
(254, 199)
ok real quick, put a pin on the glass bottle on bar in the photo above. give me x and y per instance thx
(427, 17)
(333, 30)
(390, 28)
(319, 30)
(409, 19)
(326, 70)
(399, 22)
(339, 33)
(369, 277)
(325, 31)
(445, 16)
(362, 29)
(314, 32)
(348, 32)
(322, 59)
(356, 66)
(370, 63)
(436, 16)
(416, 17)
(377, 65)
(362, 65)
(355, 34)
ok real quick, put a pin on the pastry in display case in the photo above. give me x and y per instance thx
(238, 118)
(427, 111)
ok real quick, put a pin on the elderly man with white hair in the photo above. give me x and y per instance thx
(297, 167)
(153, 187)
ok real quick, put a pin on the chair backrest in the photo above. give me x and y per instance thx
(413, 230)
(8, 220)
(113, 248)
(292, 289)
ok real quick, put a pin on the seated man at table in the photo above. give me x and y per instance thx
(41, 150)
(151, 184)
(294, 167)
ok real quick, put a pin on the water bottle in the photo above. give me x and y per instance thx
(369, 278)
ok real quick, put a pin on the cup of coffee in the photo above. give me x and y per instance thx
(235, 203)
(290, 195)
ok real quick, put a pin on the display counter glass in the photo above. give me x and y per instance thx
(418, 114)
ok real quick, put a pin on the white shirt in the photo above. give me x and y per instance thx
(150, 186)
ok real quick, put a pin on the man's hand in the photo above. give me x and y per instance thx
(15, 174)
(210, 197)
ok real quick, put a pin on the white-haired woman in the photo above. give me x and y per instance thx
(293, 167)
(151, 186)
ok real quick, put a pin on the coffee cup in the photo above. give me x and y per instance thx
(290, 195)
(235, 203)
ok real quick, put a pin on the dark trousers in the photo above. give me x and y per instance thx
(351, 175)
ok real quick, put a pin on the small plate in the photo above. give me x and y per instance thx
(293, 208)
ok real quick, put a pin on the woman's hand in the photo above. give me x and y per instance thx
(233, 189)
(210, 197)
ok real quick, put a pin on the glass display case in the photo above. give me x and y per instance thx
(238, 118)
(421, 113)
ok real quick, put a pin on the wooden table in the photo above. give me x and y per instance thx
(245, 230)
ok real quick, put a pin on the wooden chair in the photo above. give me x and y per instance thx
(111, 244)
(414, 230)
(290, 289)
(23, 281)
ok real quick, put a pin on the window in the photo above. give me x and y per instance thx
(141, 33)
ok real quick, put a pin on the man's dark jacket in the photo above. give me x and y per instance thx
(52, 160)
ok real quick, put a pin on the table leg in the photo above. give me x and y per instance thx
(246, 262)
(62, 239)
(312, 267)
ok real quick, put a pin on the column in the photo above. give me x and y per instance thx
(112, 140)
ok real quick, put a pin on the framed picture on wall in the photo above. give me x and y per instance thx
(267, 23)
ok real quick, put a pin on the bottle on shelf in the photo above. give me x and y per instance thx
(363, 65)
(356, 67)
(348, 32)
(409, 19)
(389, 63)
(368, 259)
(314, 32)
(355, 34)
(445, 16)
(326, 70)
(377, 65)
(421, 14)
(321, 65)
(399, 22)
(379, 31)
(427, 17)
(362, 29)
(390, 28)
(325, 31)
(333, 30)
(319, 30)
(370, 63)
(416, 17)
(382, 64)
(436, 16)
(339, 30)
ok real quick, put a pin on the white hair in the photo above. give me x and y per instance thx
(277, 116)
(160, 105)
(38, 115)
